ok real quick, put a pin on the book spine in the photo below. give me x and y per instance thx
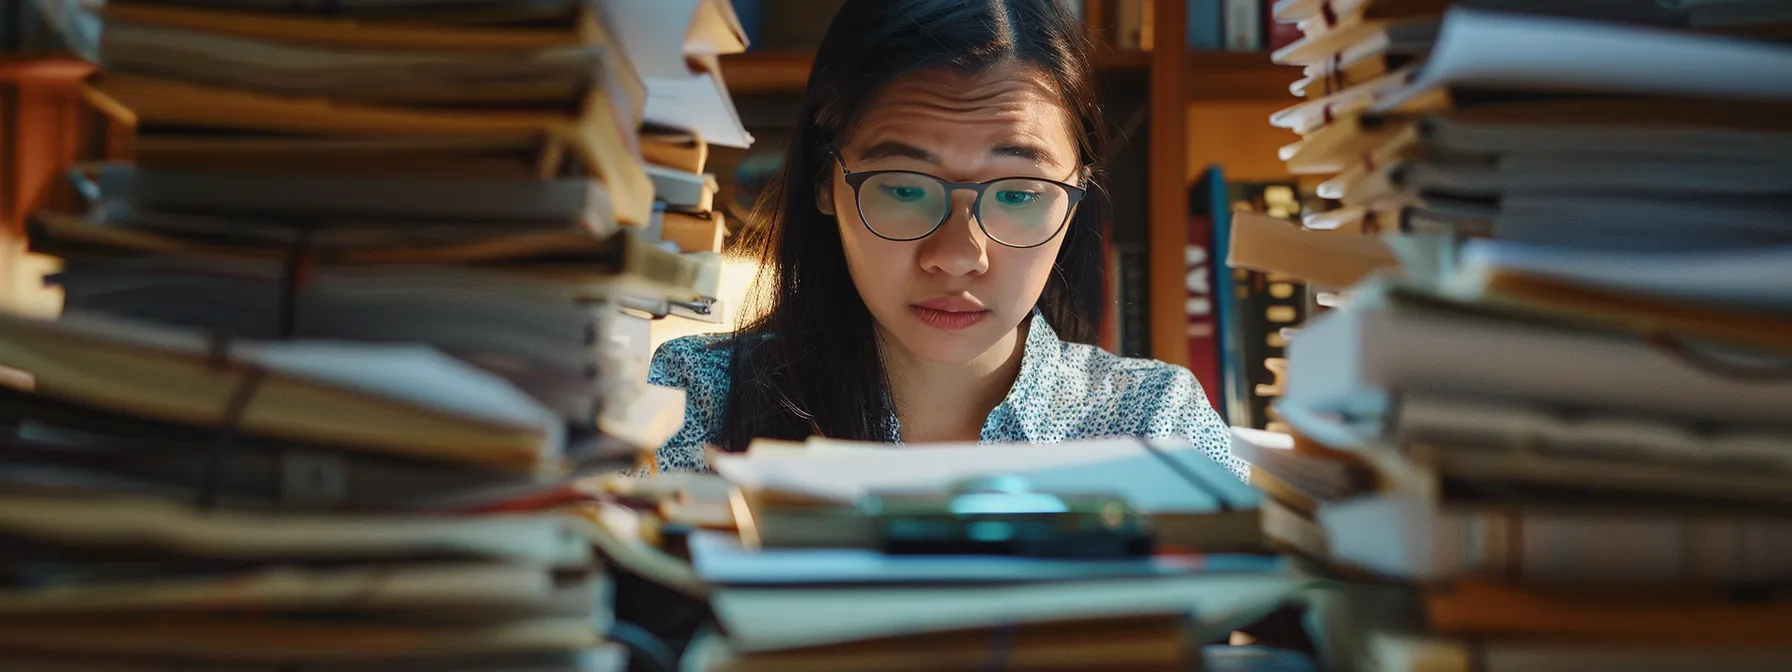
(1134, 322)
(752, 20)
(1243, 370)
(1129, 24)
(1244, 25)
(1110, 291)
(1233, 400)
(1285, 309)
(1200, 263)
(1147, 27)
(1206, 28)
(1263, 307)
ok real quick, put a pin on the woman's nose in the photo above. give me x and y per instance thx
(959, 247)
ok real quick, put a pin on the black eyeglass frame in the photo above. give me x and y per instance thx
(856, 180)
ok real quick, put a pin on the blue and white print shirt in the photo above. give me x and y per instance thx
(1065, 391)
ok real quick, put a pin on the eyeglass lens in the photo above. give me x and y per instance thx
(1016, 211)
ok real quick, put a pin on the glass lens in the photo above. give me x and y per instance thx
(902, 206)
(1022, 212)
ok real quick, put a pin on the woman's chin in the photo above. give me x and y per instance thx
(945, 346)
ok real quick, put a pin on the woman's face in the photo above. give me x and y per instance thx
(953, 295)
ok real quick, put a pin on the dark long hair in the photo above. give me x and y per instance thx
(809, 362)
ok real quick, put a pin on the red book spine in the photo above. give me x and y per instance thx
(1200, 305)
(1280, 34)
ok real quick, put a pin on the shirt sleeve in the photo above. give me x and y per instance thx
(690, 365)
(1171, 404)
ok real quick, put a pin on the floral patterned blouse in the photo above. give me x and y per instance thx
(1065, 391)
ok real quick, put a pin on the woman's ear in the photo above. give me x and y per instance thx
(824, 196)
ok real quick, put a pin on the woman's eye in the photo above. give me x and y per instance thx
(1013, 197)
(908, 194)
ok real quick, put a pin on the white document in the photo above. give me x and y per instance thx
(1120, 466)
(1357, 359)
(663, 39)
(1492, 49)
(646, 417)
(778, 618)
(720, 560)
(1632, 223)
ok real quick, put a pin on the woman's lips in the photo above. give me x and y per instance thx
(951, 314)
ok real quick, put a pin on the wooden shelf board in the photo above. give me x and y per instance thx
(788, 71)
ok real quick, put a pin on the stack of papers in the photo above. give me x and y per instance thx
(806, 584)
(1556, 366)
(335, 344)
(1651, 139)
(676, 45)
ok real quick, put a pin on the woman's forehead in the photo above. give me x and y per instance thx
(943, 116)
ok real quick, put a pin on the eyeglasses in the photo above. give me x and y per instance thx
(904, 205)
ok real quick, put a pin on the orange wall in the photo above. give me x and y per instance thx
(1236, 134)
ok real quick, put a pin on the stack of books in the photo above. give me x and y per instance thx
(336, 343)
(1550, 396)
(804, 572)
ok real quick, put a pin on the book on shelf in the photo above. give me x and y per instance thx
(1208, 300)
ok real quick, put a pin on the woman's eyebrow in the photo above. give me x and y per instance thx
(1034, 153)
(896, 148)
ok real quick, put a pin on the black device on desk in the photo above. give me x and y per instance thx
(1002, 515)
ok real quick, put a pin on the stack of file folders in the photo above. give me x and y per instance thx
(1551, 398)
(801, 575)
(338, 339)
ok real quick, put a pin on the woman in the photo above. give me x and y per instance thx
(933, 236)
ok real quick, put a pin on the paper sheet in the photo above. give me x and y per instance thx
(1758, 278)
